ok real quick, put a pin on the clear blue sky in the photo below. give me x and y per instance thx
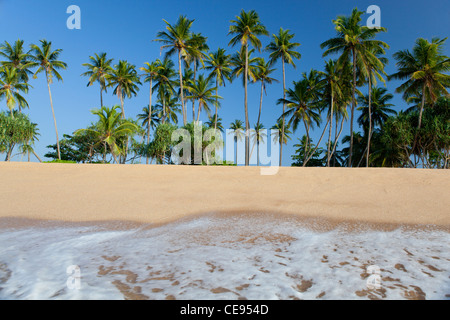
(125, 30)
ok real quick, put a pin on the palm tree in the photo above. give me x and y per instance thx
(301, 107)
(258, 134)
(219, 65)
(352, 41)
(424, 71)
(167, 107)
(110, 128)
(238, 61)
(98, 70)
(11, 88)
(281, 135)
(238, 131)
(202, 91)
(246, 28)
(17, 58)
(282, 48)
(150, 119)
(214, 123)
(263, 72)
(165, 83)
(47, 61)
(178, 39)
(125, 80)
(150, 72)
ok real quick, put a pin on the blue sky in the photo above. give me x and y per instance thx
(125, 30)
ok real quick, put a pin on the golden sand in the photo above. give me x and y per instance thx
(160, 194)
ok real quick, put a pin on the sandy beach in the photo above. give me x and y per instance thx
(160, 194)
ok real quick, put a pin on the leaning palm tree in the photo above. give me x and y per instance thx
(282, 48)
(263, 72)
(98, 70)
(178, 39)
(424, 70)
(150, 72)
(110, 128)
(246, 29)
(352, 42)
(16, 57)
(238, 131)
(47, 61)
(125, 80)
(219, 65)
(11, 88)
(202, 91)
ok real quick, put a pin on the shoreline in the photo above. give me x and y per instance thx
(156, 195)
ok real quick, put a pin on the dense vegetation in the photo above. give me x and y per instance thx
(188, 88)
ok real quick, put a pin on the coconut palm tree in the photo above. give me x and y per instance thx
(238, 131)
(246, 29)
(352, 42)
(98, 70)
(238, 61)
(257, 135)
(11, 87)
(214, 123)
(150, 119)
(219, 65)
(47, 61)
(16, 57)
(282, 48)
(110, 128)
(424, 70)
(165, 83)
(281, 136)
(301, 107)
(203, 91)
(167, 107)
(179, 39)
(150, 72)
(125, 80)
(263, 72)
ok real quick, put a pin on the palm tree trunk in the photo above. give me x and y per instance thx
(193, 100)
(247, 123)
(336, 140)
(353, 108)
(181, 88)
(53, 113)
(331, 126)
(235, 140)
(37, 157)
(370, 122)
(257, 152)
(317, 146)
(260, 103)
(284, 106)
(101, 96)
(121, 101)
(422, 105)
(217, 102)
(307, 142)
(199, 110)
(149, 116)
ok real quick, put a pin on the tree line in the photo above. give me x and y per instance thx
(186, 83)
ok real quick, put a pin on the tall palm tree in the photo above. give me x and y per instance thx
(47, 61)
(110, 128)
(125, 80)
(203, 91)
(332, 77)
(150, 72)
(167, 107)
(380, 111)
(17, 57)
(11, 87)
(424, 70)
(352, 42)
(98, 70)
(165, 83)
(263, 72)
(238, 131)
(282, 48)
(238, 61)
(178, 39)
(219, 65)
(246, 28)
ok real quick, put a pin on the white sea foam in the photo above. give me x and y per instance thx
(223, 258)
